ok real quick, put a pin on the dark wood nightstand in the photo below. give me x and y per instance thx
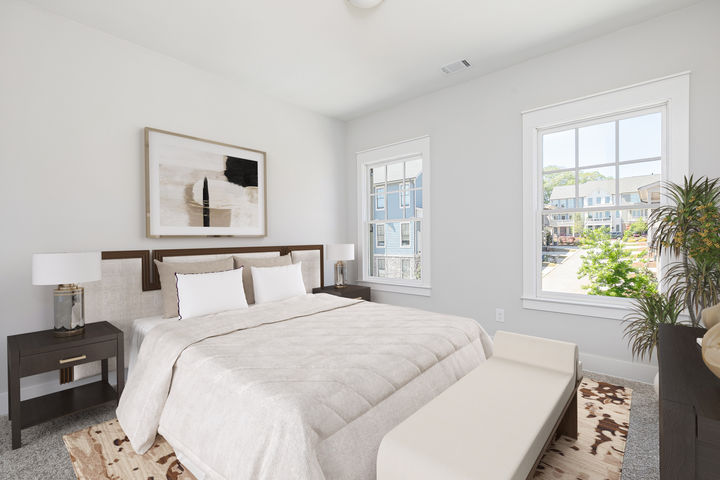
(350, 291)
(38, 352)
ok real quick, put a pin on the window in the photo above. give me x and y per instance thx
(380, 236)
(407, 270)
(617, 147)
(405, 194)
(398, 233)
(404, 234)
(379, 198)
(380, 264)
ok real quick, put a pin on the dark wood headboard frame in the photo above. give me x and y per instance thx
(150, 276)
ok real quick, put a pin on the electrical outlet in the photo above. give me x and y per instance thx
(499, 315)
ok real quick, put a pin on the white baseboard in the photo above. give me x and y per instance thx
(39, 389)
(640, 372)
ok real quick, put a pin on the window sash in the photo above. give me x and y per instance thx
(409, 211)
(592, 210)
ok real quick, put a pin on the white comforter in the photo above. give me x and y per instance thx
(300, 389)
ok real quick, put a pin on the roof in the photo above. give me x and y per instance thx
(605, 187)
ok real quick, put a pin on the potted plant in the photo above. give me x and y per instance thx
(688, 229)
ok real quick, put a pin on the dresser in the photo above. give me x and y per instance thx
(689, 407)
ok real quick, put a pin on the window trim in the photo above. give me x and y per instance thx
(672, 93)
(415, 147)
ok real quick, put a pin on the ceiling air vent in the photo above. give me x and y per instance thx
(455, 66)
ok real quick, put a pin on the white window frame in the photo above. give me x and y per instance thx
(403, 191)
(416, 147)
(670, 93)
(377, 238)
(401, 236)
(384, 262)
(377, 197)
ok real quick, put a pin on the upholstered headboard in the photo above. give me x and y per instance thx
(130, 285)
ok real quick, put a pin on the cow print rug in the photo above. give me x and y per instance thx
(103, 450)
(603, 421)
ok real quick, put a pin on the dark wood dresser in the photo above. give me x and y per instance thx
(689, 407)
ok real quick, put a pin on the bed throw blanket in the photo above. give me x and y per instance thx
(252, 393)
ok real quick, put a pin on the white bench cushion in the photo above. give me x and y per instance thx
(492, 423)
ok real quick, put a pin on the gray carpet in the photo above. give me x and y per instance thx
(43, 454)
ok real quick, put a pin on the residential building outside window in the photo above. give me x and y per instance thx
(620, 149)
(380, 236)
(380, 198)
(395, 233)
(404, 234)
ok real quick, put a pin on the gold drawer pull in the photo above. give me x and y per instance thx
(73, 359)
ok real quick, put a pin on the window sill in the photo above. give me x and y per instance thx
(574, 307)
(422, 290)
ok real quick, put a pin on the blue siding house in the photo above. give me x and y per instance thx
(396, 244)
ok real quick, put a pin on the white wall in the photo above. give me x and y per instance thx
(73, 104)
(476, 155)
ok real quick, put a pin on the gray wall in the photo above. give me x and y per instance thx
(73, 104)
(476, 155)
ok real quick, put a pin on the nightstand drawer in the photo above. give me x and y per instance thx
(66, 357)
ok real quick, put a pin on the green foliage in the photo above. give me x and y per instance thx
(648, 313)
(609, 266)
(688, 227)
(578, 223)
(640, 227)
(552, 180)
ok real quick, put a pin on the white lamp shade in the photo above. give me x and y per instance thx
(341, 251)
(57, 268)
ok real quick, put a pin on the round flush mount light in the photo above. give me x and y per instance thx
(364, 3)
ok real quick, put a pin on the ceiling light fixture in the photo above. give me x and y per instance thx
(364, 3)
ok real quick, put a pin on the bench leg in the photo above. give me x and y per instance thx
(569, 423)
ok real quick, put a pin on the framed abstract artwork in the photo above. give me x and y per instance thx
(197, 187)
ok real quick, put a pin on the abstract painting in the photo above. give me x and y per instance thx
(197, 187)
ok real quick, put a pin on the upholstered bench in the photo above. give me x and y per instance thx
(495, 422)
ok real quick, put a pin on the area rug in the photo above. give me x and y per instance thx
(103, 451)
(603, 421)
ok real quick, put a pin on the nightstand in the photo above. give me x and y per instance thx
(350, 291)
(39, 352)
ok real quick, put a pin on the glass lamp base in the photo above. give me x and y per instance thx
(340, 274)
(69, 310)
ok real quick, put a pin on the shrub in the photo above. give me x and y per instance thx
(609, 266)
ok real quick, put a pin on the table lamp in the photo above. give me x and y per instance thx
(340, 253)
(66, 270)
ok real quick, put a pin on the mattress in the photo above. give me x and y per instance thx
(304, 388)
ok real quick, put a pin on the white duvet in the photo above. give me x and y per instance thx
(300, 389)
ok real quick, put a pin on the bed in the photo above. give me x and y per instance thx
(300, 388)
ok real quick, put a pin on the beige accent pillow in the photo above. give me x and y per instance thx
(260, 262)
(168, 284)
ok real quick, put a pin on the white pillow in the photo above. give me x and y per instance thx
(204, 293)
(277, 283)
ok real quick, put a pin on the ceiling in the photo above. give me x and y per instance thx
(329, 57)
